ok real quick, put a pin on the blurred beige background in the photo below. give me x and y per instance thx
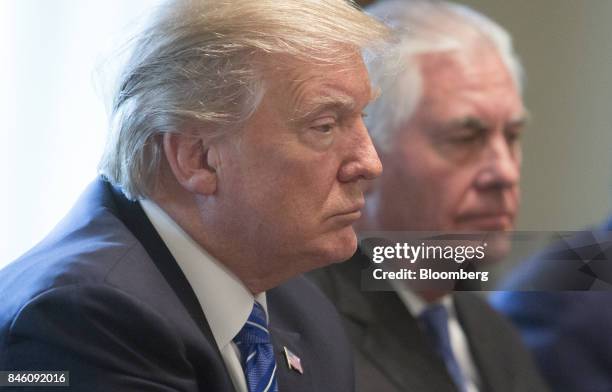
(566, 49)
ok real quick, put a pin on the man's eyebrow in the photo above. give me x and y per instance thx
(520, 121)
(321, 103)
(478, 124)
(469, 122)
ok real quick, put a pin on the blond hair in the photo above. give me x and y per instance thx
(194, 67)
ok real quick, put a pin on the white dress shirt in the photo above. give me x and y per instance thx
(459, 343)
(225, 300)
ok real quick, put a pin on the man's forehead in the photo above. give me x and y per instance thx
(456, 82)
(329, 99)
(477, 68)
(307, 88)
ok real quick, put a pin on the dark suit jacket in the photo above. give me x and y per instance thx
(568, 331)
(392, 353)
(103, 298)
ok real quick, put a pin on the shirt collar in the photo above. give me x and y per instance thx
(415, 304)
(225, 300)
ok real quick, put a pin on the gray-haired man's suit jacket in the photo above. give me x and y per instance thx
(392, 354)
(103, 298)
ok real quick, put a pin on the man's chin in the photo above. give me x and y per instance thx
(340, 246)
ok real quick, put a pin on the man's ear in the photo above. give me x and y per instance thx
(193, 164)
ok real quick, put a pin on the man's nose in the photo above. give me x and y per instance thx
(362, 161)
(501, 166)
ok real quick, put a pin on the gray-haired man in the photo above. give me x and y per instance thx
(447, 128)
(234, 164)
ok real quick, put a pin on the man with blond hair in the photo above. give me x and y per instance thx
(235, 163)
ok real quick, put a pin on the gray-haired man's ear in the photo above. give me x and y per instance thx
(193, 164)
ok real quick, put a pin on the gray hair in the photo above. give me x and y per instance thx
(197, 66)
(422, 27)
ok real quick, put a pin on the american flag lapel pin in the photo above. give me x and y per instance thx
(293, 361)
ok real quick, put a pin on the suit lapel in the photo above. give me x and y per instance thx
(397, 346)
(482, 343)
(290, 379)
(133, 216)
(389, 336)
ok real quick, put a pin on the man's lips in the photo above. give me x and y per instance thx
(352, 212)
(487, 220)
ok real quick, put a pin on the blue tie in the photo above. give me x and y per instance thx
(435, 322)
(257, 352)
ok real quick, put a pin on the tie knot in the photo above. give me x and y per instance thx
(255, 330)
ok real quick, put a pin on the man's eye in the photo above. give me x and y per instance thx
(513, 137)
(465, 138)
(325, 126)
